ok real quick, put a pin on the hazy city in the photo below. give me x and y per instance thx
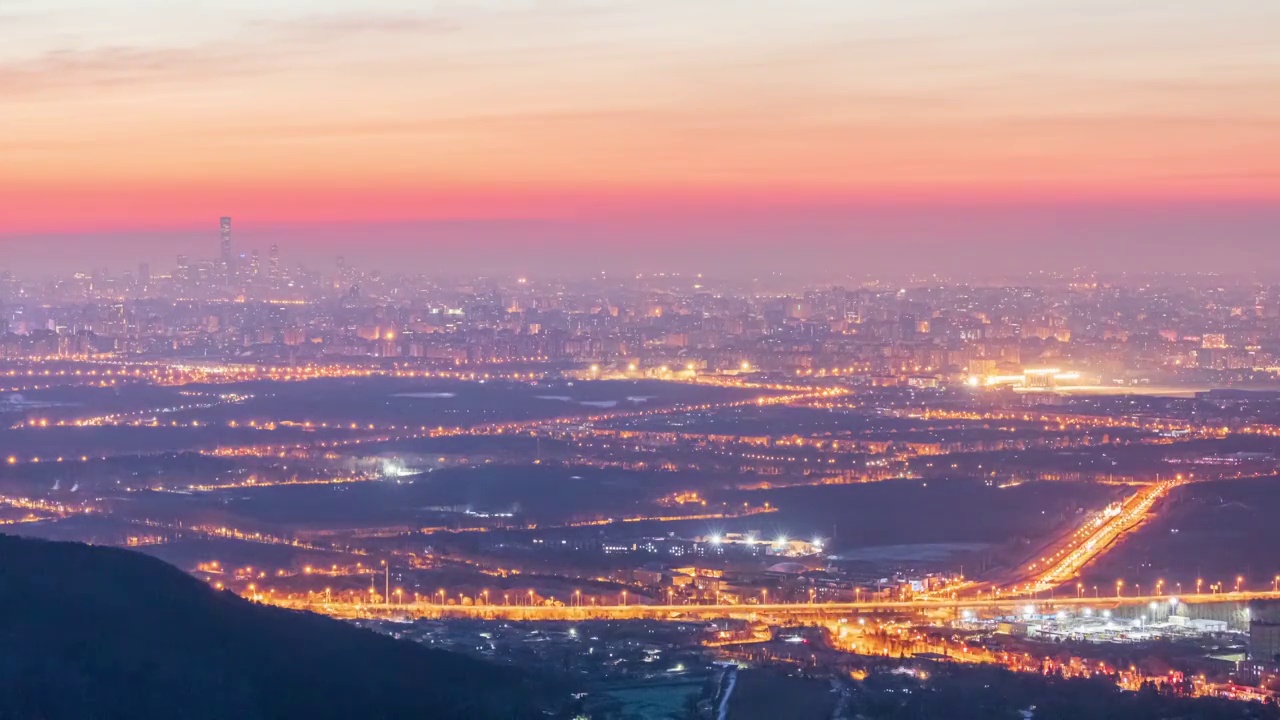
(1066, 475)
(608, 360)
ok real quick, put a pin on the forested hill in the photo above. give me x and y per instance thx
(90, 632)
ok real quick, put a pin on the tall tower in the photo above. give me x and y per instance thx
(273, 263)
(226, 258)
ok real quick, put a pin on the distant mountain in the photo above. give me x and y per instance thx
(96, 633)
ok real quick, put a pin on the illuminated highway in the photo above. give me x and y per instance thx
(1098, 535)
(774, 611)
(527, 426)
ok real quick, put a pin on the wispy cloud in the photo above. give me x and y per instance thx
(123, 66)
(332, 27)
(264, 48)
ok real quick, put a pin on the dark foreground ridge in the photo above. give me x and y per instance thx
(97, 633)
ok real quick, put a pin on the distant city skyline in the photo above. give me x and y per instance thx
(589, 133)
(894, 242)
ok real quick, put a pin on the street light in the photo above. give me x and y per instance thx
(1199, 582)
(1239, 582)
(1119, 587)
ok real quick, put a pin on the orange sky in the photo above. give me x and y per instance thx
(155, 114)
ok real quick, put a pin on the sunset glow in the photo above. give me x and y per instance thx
(156, 116)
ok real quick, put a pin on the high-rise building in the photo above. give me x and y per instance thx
(1264, 641)
(144, 274)
(226, 259)
(273, 263)
(254, 264)
(344, 272)
(1264, 632)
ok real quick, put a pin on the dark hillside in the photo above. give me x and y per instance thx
(90, 632)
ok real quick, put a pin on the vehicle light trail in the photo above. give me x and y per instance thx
(774, 612)
(1089, 542)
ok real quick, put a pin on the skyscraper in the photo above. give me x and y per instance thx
(226, 258)
(273, 263)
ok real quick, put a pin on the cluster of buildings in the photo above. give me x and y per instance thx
(1055, 331)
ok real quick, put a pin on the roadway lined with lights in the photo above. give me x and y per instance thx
(633, 611)
(253, 536)
(518, 427)
(1095, 538)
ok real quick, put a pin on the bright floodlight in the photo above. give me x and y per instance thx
(716, 539)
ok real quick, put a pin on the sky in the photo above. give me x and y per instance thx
(643, 133)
